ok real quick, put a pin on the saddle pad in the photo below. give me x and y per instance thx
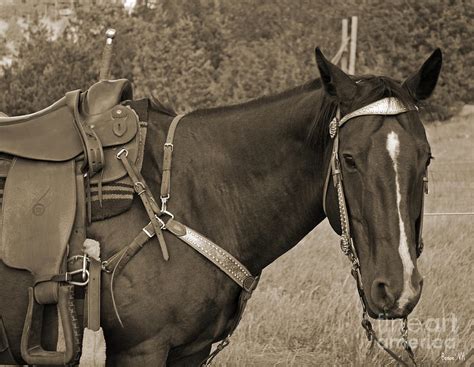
(117, 198)
(39, 204)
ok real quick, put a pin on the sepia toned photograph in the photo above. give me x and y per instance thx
(250, 183)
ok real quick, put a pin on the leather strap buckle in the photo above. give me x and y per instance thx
(164, 200)
(139, 187)
(83, 270)
(85, 275)
(169, 145)
(122, 151)
(249, 284)
(166, 212)
(161, 221)
(147, 232)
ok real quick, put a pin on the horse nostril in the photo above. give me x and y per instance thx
(382, 295)
(418, 285)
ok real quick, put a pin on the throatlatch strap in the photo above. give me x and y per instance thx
(167, 156)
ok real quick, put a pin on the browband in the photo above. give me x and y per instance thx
(386, 106)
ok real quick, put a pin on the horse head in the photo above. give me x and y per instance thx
(382, 157)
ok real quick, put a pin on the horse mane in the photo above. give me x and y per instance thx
(259, 101)
(159, 106)
(324, 108)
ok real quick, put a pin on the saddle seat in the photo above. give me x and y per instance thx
(52, 133)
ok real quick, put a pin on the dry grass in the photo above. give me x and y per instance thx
(306, 311)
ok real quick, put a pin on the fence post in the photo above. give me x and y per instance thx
(345, 34)
(352, 56)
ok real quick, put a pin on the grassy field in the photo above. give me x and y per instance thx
(306, 311)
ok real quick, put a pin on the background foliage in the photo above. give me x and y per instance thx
(194, 54)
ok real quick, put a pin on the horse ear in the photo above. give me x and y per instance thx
(336, 83)
(423, 82)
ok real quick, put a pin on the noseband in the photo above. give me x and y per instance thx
(385, 107)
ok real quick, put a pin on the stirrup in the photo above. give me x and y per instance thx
(32, 350)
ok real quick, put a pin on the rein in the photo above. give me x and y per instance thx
(385, 106)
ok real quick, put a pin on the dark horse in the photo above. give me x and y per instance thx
(251, 178)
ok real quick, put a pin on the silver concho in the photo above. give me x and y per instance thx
(333, 126)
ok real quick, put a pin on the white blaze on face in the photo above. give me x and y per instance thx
(393, 147)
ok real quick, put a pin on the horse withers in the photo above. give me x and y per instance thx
(252, 178)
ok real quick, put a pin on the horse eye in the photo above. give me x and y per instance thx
(350, 162)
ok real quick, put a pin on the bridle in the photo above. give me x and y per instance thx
(385, 107)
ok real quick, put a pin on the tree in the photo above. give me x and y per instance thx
(217, 52)
(45, 69)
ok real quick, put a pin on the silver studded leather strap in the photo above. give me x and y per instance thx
(217, 255)
(385, 106)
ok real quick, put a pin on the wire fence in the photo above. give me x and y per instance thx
(451, 185)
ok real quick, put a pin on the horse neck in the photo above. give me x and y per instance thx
(247, 178)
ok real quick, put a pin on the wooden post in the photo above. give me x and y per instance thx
(352, 56)
(345, 31)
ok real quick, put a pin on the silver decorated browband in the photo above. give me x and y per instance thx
(384, 106)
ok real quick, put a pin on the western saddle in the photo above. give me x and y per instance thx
(49, 160)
